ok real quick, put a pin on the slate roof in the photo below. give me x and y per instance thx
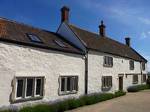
(12, 31)
(105, 44)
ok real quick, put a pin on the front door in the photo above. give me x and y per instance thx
(120, 83)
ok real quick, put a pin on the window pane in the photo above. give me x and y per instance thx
(68, 83)
(34, 38)
(38, 86)
(76, 84)
(62, 84)
(20, 88)
(29, 87)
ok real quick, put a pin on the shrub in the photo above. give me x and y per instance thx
(26, 109)
(6, 111)
(138, 88)
(72, 103)
(119, 93)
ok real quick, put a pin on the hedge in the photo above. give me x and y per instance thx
(138, 88)
(72, 103)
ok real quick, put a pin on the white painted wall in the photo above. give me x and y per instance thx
(66, 32)
(25, 61)
(120, 66)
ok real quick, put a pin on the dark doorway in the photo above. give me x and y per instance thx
(121, 83)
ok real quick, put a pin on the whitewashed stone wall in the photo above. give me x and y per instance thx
(18, 60)
(120, 66)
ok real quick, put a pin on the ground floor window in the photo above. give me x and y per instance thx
(28, 87)
(68, 84)
(144, 77)
(106, 81)
(135, 79)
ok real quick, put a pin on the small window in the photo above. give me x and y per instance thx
(108, 61)
(68, 84)
(143, 66)
(135, 79)
(34, 38)
(60, 43)
(106, 81)
(131, 63)
(29, 87)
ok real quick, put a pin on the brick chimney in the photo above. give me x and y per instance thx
(102, 29)
(65, 14)
(127, 39)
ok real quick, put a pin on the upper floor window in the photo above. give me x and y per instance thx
(143, 66)
(131, 62)
(68, 84)
(108, 61)
(34, 38)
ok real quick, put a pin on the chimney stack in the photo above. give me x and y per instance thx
(102, 29)
(127, 39)
(65, 14)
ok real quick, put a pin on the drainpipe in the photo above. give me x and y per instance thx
(86, 73)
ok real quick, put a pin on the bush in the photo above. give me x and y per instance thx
(72, 103)
(119, 93)
(138, 88)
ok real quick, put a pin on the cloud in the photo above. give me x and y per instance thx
(145, 35)
(122, 11)
(144, 20)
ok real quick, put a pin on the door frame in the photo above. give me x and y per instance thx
(120, 82)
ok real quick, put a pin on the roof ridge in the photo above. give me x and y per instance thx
(97, 34)
(25, 24)
(84, 29)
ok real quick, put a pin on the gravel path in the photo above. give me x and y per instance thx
(132, 102)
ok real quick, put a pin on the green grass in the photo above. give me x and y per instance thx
(72, 103)
(138, 88)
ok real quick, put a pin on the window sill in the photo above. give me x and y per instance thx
(110, 66)
(131, 69)
(27, 99)
(106, 88)
(135, 83)
(67, 93)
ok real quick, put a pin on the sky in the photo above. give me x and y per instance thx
(123, 18)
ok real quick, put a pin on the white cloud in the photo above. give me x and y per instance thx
(145, 35)
(144, 20)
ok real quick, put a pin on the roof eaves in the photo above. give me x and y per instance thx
(39, 46)
(112, 54)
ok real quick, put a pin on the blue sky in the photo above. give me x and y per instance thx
(123, 18)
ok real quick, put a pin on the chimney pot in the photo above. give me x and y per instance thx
(65, 14)
(127, 39)
(102, 29)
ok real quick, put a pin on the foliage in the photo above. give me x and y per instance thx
(72, 103)
(138, 88)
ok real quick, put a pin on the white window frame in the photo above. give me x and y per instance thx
(73, 91)
(33, 96)
(137, 81)
(107, 83)
(109, 61)
(130, 64)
